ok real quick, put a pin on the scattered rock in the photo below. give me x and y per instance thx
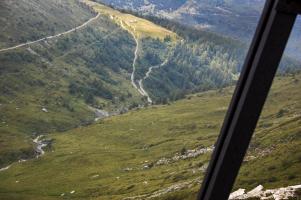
(258, 153)
(145, 167)
(258, 193)
(187, 154)
(95, 176)
(128, 169)
(100, 114)
(237, 193)
(5, 168)
(163, 161)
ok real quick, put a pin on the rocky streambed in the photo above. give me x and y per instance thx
(39, 144)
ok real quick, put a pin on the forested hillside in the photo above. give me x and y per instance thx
(202, 60)
(233, 18)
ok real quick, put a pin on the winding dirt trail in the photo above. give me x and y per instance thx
(134, 65)
(53, 36)
(5, 168)
(140, 87)
(141, 91)
(147, 75)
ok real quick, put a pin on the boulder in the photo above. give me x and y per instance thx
(258, 193)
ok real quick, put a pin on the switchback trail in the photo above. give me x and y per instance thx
(53, 36)
(147, 75)
(140, 87)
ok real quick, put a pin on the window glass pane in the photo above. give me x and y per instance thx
(274, 156)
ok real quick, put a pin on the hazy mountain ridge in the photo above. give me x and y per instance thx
(234, 18)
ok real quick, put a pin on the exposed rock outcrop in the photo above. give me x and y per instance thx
(258, 193)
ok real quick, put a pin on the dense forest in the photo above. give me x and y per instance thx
(200, 61)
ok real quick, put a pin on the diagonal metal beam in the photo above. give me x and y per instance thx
(260, 67)
(289, 6)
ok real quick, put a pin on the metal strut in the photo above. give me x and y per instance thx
(263, 58)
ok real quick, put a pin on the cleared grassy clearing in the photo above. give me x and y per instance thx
(140, 27)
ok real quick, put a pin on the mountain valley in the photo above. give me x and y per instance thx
(98, 102)
(161, 152)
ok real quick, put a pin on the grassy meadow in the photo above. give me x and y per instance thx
(107, 160)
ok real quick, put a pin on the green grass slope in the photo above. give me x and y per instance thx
(65, 76)
(118, 157)
(200, 61)
(28, 20)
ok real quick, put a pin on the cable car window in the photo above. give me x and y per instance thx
(109, 99)
(273, 159)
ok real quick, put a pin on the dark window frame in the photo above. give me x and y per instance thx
(257, 75)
